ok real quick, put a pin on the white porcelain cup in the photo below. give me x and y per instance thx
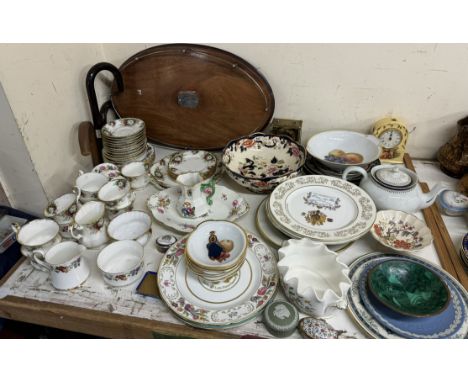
(88, 184)
(121, 262)
(68, 268)
(137, 173)
(37, 234)
(90, 220)
(133, 225)
(62, 209)
(114, 191)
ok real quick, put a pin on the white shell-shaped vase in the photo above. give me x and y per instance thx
(312, 277)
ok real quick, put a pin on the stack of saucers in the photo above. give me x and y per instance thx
(124, 141)
(216, 250)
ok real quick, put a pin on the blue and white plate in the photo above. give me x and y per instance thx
(369, 323)
(443, 325)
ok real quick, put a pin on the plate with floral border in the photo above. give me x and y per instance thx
(220, 304)
(274, 236)
(226, 205)
(366, 320)
(322, 208)
(442, 325)
(159, 173)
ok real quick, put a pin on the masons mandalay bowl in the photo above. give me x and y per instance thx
(260, 161)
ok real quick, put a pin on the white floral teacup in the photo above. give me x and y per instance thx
(68, 269)
(137, 173)
(37, 234)
(90, 220)
(114, 191)
(88, 184)
(62, 209)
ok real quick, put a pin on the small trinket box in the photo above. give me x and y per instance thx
(452, 203)
(319, 329)
(164, 242)
(281, 318)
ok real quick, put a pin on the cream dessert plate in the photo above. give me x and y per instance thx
(218, 304)
(321, 208)
(225, 205)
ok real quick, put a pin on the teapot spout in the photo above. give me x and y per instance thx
(429, 198)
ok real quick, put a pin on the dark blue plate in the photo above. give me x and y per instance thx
(442, 325)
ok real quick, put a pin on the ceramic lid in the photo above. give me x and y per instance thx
(393, 177)
(454, 201)
(281, 318)
(193, 96)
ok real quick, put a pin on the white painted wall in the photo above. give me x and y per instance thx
(328, 86)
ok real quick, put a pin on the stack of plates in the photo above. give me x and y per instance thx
(124, 141)
(321, 208)
(223, 304)
(380, 321)
(314, 167)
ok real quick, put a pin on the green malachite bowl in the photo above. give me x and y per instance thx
(408, 288)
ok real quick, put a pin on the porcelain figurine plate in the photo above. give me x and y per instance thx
(227, 205)
(444, 326)
(218, 304)
(322, 208)
(160, 177)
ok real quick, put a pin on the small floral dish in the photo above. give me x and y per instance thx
(108, 169)
(159, 173)
(192, 161)
(408, 288)
(260, 162)
(338, 149)
(313, 278)
(400, 231)
(452, 203)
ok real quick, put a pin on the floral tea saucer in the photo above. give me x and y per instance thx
(226, 205)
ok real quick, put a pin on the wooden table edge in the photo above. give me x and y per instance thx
(95, 322)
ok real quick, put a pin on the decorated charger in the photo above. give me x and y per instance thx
(260, 162)
(400, 231)
(217, 245)
(408, 288)
(443, 327)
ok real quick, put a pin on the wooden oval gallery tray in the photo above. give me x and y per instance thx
(193, 96)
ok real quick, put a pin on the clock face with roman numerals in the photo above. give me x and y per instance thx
(393, 136)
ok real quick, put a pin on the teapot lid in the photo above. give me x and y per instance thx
(393, 177)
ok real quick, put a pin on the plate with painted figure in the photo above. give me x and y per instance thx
(274, 236)
(321, 208)
(221, 304)
(366, 320)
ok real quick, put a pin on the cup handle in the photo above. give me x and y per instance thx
(77, 191)
(80, 172)
(41, 263)
(26, 252)
(354, 169)
(72, 232)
